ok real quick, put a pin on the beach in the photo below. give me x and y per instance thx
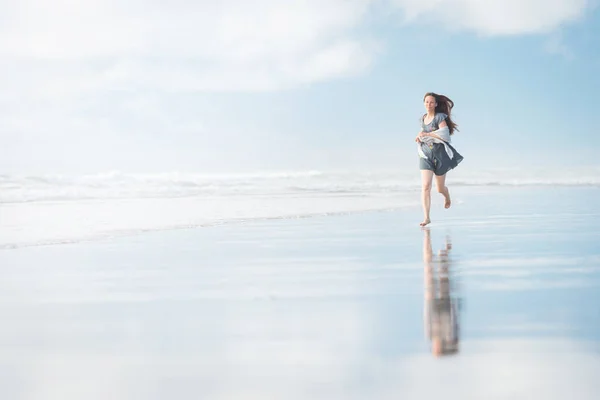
(324, 305)
(221, 200)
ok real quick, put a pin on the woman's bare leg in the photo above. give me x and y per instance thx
(440, 183)
(426, 176)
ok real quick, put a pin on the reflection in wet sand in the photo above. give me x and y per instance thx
(441, 311)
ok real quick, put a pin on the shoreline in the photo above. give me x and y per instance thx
(33, 225)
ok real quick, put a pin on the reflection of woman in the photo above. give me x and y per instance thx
(441, 312)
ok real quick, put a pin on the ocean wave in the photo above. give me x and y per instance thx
(120, 185)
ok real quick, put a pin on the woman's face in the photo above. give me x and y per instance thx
(430, 103)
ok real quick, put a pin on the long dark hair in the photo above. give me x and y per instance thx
(444, 105)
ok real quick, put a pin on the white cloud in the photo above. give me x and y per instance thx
(494, 17)
(315, 362)
(190, 45)
(74, 69)
(499, 369)
(66, 47)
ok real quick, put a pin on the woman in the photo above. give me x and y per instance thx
(436, 155)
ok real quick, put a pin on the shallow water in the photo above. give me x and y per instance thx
(330, 308)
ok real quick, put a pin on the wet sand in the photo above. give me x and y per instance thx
(499, 299)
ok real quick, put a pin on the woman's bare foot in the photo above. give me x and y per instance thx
(448, 202)
(427, 221)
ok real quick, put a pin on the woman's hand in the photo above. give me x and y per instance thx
(420, 136)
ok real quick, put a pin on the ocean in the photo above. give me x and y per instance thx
(57, 209)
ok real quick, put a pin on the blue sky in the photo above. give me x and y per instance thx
(238, 86)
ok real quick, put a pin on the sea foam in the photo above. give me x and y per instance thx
(53, 209)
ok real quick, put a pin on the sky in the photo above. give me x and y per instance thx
(238, 85)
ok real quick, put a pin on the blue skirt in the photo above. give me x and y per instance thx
(437, 159)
